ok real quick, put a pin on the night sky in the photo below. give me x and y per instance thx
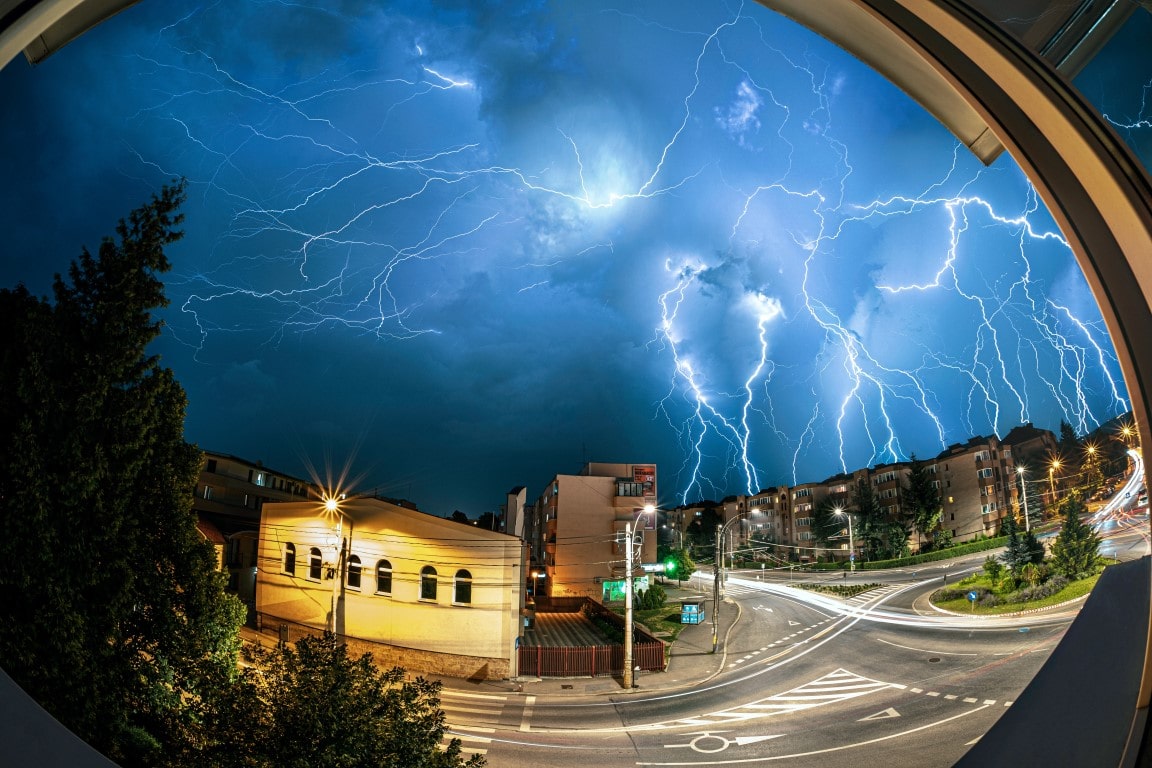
(455, 247)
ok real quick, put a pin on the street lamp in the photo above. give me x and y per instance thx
(340, 546)
(1024, 490)
(628, 566)
(1052, 478)
(851, 542)
(718, 575)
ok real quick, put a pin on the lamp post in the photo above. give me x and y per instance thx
(1024, 490)
(851, 541)
(629, 682)
(1052, 479)
(718, 576)
(332, 507)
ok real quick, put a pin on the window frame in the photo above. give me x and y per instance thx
(355, 568)
(288, 562)
(462, 580)
(429, 576)
(383, 564)
(315, 564)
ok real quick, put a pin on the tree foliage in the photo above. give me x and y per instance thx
(316, 705)
(1016, 554)
(877, 537)
(922, 500)
(1075, 553)
(826, 524)
(114, 615)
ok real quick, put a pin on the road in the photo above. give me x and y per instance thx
(807, 679)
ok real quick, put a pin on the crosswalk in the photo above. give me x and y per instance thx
(839, 685)
(468, 716)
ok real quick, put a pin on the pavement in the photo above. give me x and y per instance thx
(691, 662)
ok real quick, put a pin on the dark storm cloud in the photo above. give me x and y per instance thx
(462, 246)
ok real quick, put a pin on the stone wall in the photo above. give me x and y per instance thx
(414, 661)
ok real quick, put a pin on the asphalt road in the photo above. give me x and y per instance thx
(882, 679)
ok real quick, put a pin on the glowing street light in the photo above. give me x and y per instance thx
(332, 509)
(851, 542)
(1052, 478)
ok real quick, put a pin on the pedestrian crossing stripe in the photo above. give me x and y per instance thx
(836, 686)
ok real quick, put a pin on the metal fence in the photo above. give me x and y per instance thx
(588, 660)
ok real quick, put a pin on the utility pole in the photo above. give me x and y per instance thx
(629, 683)
(716, 569)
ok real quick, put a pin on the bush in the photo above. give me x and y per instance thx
(1038, 592)
(649, 599)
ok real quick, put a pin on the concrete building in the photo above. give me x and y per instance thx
(418, 591)
(583, 519)
(977, 486)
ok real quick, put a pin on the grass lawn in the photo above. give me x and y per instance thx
(664, 622)
(1071, 592)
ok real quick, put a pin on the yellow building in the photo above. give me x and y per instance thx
(422, 592)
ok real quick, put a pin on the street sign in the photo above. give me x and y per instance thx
(652, 567)
(972, 596)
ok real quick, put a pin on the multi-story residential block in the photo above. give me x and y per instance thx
(582, 520)
(423, 592)
(977, 486)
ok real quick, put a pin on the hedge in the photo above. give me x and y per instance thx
(940, 554)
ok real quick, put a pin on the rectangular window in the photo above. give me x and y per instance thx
(627, 488)
(985, 473)
(207, 491)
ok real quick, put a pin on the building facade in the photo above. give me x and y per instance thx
(418, 591)
(582, 521)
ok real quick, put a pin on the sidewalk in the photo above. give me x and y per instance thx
(690, 663)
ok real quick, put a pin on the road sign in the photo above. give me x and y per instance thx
(652, 567)
(972, 595)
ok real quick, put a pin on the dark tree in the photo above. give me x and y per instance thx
(460, 517)
(1017, 553)
(1076, 550)
(702, 530)
(322, 707)
(871, 528)
(922, 500)
(826, 524)
(1069, 442)
(114, 615)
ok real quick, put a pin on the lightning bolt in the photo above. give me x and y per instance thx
(334, 227)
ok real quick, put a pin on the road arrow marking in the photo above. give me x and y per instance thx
(742, 740)
(885, 715)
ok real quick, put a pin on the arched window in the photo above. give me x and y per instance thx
(314, 562)
(383, 577)
(354, 572)
(427, 583)
(290, 559)
(462, 592)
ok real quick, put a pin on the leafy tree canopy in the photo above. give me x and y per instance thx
(114, 615)
(1075, 553)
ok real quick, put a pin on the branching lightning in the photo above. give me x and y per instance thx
(785, 325)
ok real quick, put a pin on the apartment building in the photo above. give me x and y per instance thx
(977, 487)
(582, 520)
